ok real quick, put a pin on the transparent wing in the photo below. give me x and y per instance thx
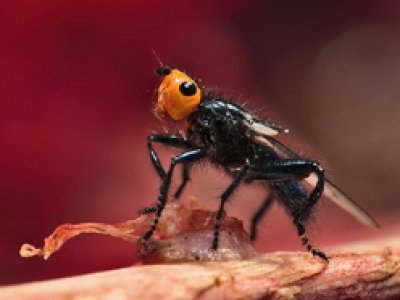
(331, 191)
(264, 128)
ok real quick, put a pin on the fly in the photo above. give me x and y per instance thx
(244, 146)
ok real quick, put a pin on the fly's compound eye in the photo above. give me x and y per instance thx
(188, 88)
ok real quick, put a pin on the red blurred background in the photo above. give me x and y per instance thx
(77, 88)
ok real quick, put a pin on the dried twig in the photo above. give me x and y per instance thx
(284, 275)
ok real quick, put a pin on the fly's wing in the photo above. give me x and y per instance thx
(264, 128)
(331, 191)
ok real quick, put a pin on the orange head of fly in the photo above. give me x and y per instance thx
(178, 94)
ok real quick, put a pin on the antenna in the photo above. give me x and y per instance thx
(157, 57)
(162, 70)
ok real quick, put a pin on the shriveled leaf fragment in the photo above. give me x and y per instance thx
(185, 233)
(63, 233)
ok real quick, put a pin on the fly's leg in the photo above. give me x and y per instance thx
(301, 214)
(301, 231)
(223, 199)
(185, 179)
(296, 169)
(186, 157)
(262, 210)
(293, 169)
(171, 140)
(304, 212)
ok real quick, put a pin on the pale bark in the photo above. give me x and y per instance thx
(365, 274)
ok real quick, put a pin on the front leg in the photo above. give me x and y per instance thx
(170, 140)
(185, 157)
(185, 178)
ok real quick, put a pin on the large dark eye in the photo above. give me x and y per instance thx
(188, 88)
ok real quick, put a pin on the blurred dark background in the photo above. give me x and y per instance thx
(77, 88)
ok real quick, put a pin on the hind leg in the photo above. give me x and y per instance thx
(289, 169)
(304, 239)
